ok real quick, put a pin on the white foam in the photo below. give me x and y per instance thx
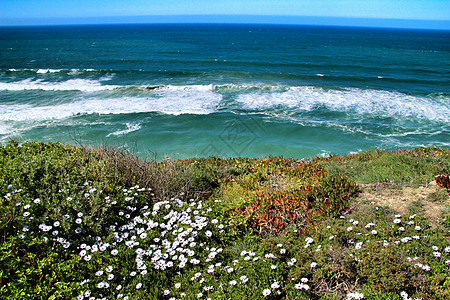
(45, 71)
(324, 154)
(84, 85)
(130, 128)
(5, 129)
(356, 152)
(8, 131)
(373, 102)
(188, 100)
(204, 99)
(193, 99)
(178, 88)
(78, 71)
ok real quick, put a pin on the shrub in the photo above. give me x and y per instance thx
(72, 227)
(443, 181)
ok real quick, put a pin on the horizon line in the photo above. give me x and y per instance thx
(232, 19)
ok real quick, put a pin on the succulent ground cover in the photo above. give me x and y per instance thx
(98, 223)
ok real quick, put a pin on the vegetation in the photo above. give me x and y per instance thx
(99, 223)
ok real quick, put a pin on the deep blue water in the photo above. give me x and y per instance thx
(228, 90)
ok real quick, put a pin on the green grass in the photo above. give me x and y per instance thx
(99, 223)
(412, 167)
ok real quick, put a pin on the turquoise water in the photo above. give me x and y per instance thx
(226, 90)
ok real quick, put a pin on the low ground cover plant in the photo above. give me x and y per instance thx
(98, 223)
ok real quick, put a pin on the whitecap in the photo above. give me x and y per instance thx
(205, 99)
(360, 101)
(85, 85)
(46, 71)
(130, 128)
(187, 100)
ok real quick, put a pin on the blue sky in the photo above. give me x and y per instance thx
(39, 12)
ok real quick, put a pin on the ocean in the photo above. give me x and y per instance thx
(195, 90)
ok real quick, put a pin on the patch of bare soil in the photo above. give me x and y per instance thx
(430, 201)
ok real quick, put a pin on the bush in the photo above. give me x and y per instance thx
(443, 181)
(99, 223)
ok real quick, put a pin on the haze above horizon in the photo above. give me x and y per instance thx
(430, 14)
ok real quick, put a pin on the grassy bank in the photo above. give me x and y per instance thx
(98, 223)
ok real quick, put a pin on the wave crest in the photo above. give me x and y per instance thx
(274, 101)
